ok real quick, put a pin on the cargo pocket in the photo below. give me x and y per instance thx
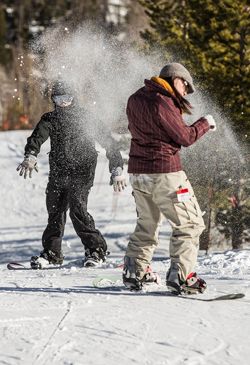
(188, 211)
(193, 209)
(181, 212)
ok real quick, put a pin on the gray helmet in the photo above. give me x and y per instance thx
(177, 70)
(59, 88)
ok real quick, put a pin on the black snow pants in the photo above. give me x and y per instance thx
(70, 192)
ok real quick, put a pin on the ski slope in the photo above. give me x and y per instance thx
(56, 316)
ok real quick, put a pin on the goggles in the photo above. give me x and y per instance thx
(62, 100)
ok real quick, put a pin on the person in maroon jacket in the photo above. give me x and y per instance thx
(160, 186)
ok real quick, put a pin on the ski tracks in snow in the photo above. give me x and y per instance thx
(42, 357)
(79, 324)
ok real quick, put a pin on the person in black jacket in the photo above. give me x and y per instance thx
(72, 161)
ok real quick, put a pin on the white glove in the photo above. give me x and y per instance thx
(28, 165)
(211, 122)
(117, 179)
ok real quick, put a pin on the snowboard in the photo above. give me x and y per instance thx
(107, 282)
(15, 265)
(20, 266)
(114, 282)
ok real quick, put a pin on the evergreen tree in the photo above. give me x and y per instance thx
(213, 37)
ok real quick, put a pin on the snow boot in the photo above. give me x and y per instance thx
(132, 274)
(192, 285)
(94, 258)
(45, 259)
(173, 280)
(133, 281)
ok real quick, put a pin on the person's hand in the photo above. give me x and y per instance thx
(211, 122)
(117, 179)
(27, 166)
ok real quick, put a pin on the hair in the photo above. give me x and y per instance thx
(184, 103)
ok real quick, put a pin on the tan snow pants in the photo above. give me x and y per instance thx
(156, 195)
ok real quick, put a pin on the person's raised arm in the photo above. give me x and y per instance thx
(181, 133)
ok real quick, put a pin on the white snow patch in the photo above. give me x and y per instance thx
(56, 316)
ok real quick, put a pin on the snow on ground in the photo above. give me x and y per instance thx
(56, 316)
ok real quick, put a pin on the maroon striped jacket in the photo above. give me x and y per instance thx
(158, 130)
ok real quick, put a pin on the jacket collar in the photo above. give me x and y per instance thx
(163, 83)
(155, 86)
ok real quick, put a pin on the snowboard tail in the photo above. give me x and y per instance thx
(17, 266)
(229, 296)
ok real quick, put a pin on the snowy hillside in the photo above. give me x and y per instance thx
(57, 316)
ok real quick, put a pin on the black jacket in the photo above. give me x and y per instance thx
(72, 138)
